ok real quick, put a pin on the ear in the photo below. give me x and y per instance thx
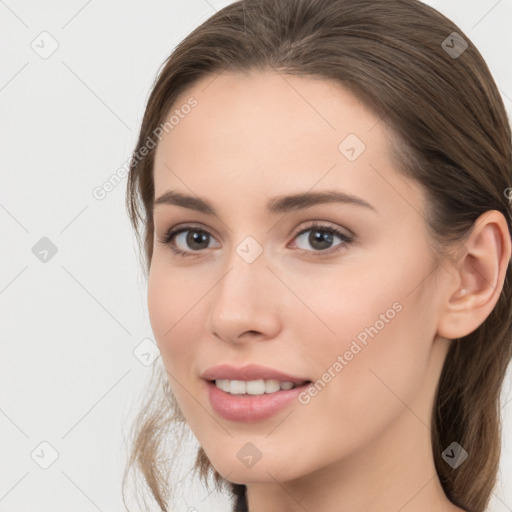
(479, 274)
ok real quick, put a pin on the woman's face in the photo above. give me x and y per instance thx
(353, 313)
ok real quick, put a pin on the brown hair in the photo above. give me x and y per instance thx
(451, 134)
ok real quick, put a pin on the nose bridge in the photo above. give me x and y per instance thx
(241, 302)
(244, 277)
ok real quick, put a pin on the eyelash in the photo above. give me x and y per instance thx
(345, 239)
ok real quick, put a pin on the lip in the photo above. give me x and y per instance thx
(249, 372)
(250, 408)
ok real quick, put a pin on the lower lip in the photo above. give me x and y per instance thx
(250, 408)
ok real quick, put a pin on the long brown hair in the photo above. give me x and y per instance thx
(451, 135)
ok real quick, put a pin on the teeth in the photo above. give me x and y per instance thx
(252, 387)
(271, 386)
(223, 384)
(237, 387)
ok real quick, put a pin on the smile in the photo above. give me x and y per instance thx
(254, 387)
(239, 404)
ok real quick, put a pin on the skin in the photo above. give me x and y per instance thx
(363, 443)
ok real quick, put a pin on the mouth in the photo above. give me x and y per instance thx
(252, 401)
(252, 392)
(256, 387)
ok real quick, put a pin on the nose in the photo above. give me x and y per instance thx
(245, 302)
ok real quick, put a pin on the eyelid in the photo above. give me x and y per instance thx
(185, 226)
(299, 230)
(324, 224)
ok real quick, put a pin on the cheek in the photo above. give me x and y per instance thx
(172, 306)
(175, 325)
(379, 356)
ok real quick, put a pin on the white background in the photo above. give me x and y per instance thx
(68, 375)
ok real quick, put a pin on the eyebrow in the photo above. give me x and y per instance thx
(276, 205)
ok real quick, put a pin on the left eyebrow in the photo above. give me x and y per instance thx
(276, 205)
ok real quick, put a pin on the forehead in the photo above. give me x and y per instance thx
(261, 132)
(265, 110)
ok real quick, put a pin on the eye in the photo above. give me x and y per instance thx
(321, 238)
(193, 239)
(196, 239)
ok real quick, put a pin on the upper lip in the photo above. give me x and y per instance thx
(248, 372)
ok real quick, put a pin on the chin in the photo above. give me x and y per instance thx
(266, 469)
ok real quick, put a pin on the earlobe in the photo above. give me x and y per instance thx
(480, 273)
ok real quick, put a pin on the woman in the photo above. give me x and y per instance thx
(327, 235)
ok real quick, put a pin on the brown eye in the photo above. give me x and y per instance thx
(321, 238)
(187, 240)
(191, 240)
(194, 239)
